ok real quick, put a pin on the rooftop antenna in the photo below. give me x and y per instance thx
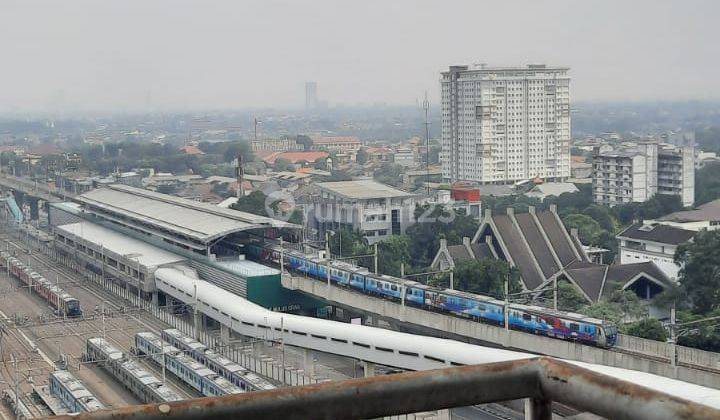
(426, 108)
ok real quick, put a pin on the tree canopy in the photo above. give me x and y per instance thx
(486, 276)
(700, 273)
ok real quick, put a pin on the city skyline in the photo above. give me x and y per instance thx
(134, 56)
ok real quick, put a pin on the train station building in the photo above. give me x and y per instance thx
(126, 233)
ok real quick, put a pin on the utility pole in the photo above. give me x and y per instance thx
(673, 339)
(327, 244)
(17, 385)
(555, 293)
(507, 302)
(282, 346)
(282, 259)
(162, 350)
(376, 257)
(452, 280)
(426, 107)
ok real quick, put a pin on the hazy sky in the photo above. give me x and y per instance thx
(130, 54)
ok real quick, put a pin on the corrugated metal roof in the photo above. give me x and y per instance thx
(147, 255)
(200, 221)
(363, 189)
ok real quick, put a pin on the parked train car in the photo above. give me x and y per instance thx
(528, 318)
(128, 372)
(189, 370)
(73, 393)
(233, 372)
(62, 302)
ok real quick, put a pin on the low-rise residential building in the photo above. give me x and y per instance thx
(637, 171)
(404, 156)
(379, 154)
(655, 242)
(284, 144)
(344, 144)
(706, 216)
(374, 209)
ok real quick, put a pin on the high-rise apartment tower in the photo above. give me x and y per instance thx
(505, 124)
(311, 97)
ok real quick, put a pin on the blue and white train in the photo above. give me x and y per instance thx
(528, 318)
(187, 369)
(72, 393)
(233, 372)
(138, 380)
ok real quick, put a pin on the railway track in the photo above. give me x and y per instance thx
(144, 320)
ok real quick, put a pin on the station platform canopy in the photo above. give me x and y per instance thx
(186, 222)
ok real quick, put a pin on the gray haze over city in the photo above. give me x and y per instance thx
(174, 55)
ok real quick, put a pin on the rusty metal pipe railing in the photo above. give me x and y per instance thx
(541, 379)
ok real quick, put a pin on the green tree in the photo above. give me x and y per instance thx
(700, 273)
(707, 183)
(485, 276)
(346, 242)
(621, 305)
(304, 141)
(389, 174)
(392, 252)
(282, 165)
(362, 156)
(433, 223)
(569, 297)
(589, 230)
(252, 203)
(649, 328)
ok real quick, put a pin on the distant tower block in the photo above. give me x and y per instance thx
(311, 98)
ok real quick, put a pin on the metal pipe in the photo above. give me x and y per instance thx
(543, 380)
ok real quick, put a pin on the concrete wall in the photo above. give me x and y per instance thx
(497, 335)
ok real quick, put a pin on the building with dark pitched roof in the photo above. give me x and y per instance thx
(539, 246)
(656, 242)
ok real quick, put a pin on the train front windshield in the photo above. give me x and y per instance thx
(73, 307)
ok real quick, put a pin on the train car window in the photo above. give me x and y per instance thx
(339, 340)
(527, 317)
(367, 346)
(299, 333)
(456, 364)
(322, 337)
(434, 359)
(384, 349)
(277, 329)
(224, 313)
(234, 319)
(263, 326)
(393, 288)
(574, 327)
(408, 353)
(249, 324)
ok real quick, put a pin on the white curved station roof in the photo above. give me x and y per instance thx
(119, 244)
(377, 345)
(200, 221)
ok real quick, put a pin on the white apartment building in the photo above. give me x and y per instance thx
(634, 172)
(505, 124)
(654, 242)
